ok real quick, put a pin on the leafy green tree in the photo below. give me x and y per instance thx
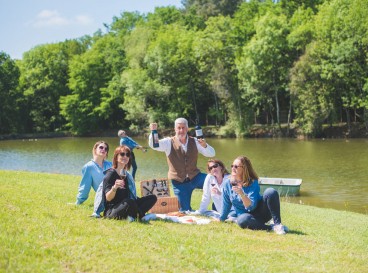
(346, 30)
(335, 64)
(165, 16)
(167, 79)
(209, 8)
(290, 6)
(126, 23)
(96, 91)
(215, 56)
(44, 77)
(9, 94)
(313, 101)
(264, 65)
(245, 18)
(302, 31)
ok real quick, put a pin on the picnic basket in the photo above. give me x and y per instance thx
(160, 187)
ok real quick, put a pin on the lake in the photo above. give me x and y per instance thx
(334, 172)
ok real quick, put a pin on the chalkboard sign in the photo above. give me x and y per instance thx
(158, 187)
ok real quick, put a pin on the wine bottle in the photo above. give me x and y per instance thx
(155, 139)
(198, 131)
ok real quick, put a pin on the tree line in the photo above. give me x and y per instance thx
(229, 63)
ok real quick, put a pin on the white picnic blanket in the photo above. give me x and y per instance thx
(193, 218)
(188, 219)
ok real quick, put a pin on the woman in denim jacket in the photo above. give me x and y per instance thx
(93, 171)
(252, 210)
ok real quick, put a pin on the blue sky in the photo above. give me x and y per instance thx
(27, 23)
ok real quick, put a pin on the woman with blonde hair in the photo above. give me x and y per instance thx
(252, 210)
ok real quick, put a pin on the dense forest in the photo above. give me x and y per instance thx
(227, 63)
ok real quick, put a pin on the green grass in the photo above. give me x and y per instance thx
(41, 232)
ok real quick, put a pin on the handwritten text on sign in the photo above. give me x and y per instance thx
(158, 187)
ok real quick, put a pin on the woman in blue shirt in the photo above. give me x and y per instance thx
(93, 171)
(253, 210)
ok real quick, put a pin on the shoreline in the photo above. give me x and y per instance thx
(337, 131)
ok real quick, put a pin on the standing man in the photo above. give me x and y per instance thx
(127, 141)
(182, 154)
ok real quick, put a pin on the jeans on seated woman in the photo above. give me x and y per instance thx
(268, 208)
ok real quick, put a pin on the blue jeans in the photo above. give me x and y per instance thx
(267, 208)
(134, 165)
(183, 190)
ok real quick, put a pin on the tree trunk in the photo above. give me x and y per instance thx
(217, 109)
(289, 119)
(194, 102)
(348, 119)
(277, 108)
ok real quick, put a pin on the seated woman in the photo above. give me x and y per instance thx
(212, 187)
(93, 171)
(253, 210)
(119, 192)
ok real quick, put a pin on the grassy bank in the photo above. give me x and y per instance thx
(41, 232)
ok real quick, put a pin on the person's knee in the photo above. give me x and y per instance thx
(153, 198)
(270, 192)
(244, 220)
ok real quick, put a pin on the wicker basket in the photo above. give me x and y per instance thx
(160, 187)
(165, 205)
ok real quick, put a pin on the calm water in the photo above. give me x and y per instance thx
(334, 172)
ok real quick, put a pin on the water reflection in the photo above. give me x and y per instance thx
(334, 172)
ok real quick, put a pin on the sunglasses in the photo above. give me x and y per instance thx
(102, 148)
(236, 166)
(127, 154)
(214, 166)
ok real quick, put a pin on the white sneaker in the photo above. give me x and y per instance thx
(95, 215)
(280, 229)
(130, 219)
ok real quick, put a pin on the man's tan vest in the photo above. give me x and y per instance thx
(182, 165)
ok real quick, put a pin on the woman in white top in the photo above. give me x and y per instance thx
(213, 185)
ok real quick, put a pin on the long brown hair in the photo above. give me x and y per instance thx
(249, 174)
(221, 164)
(118, 150)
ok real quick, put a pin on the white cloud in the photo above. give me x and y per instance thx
(49, 18)
(83, 20)
(52, 18)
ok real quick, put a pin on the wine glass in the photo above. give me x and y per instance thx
(234, 183)
(214, 190)
(123, 175)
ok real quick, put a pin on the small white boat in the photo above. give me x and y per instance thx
(284, 186)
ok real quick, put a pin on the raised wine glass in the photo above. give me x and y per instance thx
(123, 175)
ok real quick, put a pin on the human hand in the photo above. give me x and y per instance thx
(119, 184)
(202, 142)
(153, 126)
(215, 190)
(237, 188)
